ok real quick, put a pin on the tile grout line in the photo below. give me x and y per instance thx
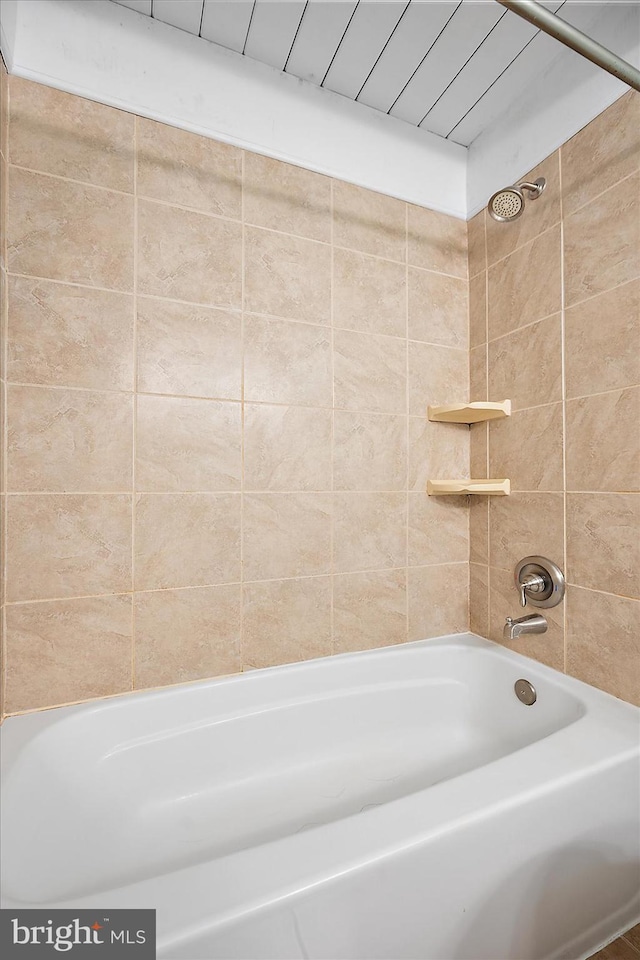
(520, 247)
(135, 402)
(230, 583)
(227, 308)
(408, 435)
(81, 183)
(563, 374)
(629, 943)
(4, 424)
(351, 491)
(598, 196)
(577, 586)
(487, 430)
(601, 293)
(332, 523)
(242, 406)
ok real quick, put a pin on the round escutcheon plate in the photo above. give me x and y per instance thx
(525, 692)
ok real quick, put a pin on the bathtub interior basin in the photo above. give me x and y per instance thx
(158, 782)
(225, 803)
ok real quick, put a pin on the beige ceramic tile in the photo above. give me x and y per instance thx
(282, 197)
(479, 451)
(603, 442)
(4, 189)
(287, 277)
(539, 215)
(67, 545)
(369, 531)
(438, 530)
(4, 283)
(60, 133)
(479, 599)
(69, 440)
(181, 167)
(518, 294)
(287, 362)
(186, 540)
(478, 309)
(285, 621)
(478, 388)
(369, 222)
(186, 634)
(438, 600)
(504, 602)
(437, 451)
(3, 583)
(369, 372)
(370, 451)
(286, 448)
(436, 241)
(618, 950)
(479, 530)
(524, 525)
(189, 350)
(603, 642)
(602, 337)
(602, 242)
(61, 335)
(438, 308)
(369, 610)
(185, 255)
(526, 365)
(286, 535)
(603, 545)
(69, 231)
(66, 650)
(369, 294)
(476, 244)
(436, 375)
(527, 448)
(186, 444)
(604, 152)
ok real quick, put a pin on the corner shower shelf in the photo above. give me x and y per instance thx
(447, 488)
(469, 412)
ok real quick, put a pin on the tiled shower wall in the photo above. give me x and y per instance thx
(555, 326)
(217, 369)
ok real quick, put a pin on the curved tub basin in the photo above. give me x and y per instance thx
(395, 803)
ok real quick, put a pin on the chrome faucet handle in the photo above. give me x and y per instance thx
(533, 583)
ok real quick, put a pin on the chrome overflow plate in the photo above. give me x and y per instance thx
(539, 581)
(525, 692)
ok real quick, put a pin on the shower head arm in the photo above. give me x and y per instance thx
(535, 188)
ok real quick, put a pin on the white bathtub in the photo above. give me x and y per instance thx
(399, 803)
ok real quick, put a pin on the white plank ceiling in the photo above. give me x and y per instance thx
(448, 66)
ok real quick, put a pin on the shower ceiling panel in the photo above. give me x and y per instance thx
(448, 66)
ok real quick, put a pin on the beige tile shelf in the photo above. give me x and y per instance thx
(487, 488)
(469, 412)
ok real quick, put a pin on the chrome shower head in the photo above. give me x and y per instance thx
(507, 204)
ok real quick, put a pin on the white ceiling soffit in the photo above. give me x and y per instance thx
(442, 65)
(438, 102)
(101, 50)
